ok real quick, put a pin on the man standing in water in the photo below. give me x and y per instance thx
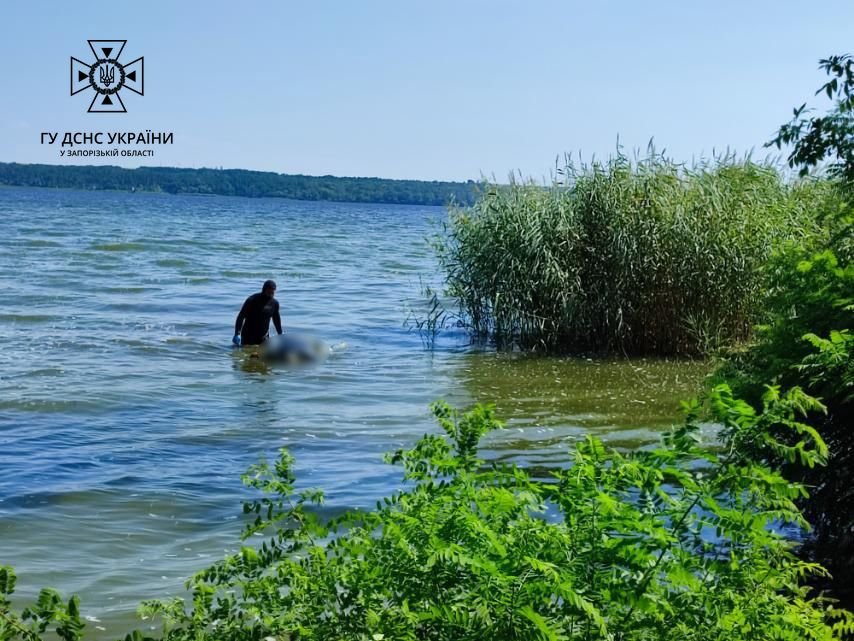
(253, 322)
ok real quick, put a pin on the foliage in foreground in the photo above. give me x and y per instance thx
(808, 339)
(829, 137)
(49, 612)
(809, 342)
(672, 543)
(644, 257)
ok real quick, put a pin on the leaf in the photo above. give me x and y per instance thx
(542, 625)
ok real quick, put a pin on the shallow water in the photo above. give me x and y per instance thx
(126, 418)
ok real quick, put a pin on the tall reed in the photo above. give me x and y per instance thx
(635, 256)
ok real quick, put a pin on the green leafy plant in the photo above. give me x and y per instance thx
(828, 137)
(49, 612)
(808, 342)
(806, 339)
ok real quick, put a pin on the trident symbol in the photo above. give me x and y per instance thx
(107, 83)
(107, 78)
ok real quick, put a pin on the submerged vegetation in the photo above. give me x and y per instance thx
(675, 543)
(628, 257)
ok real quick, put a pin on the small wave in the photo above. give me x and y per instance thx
(337, 347)
(26, 318)
(37, 242)
(130, 289)
(171, 262)
(50, 406)
(236, 274)
(46, 371)
(120, 247)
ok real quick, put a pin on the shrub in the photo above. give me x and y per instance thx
(808, 341)
(808, 337)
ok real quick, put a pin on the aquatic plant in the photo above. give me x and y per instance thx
(627, 256)
(428, 316)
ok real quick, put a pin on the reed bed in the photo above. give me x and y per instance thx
(633, 256)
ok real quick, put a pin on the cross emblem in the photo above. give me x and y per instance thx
(107, 76)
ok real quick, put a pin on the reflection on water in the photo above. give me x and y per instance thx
(248, 359)
(126, 418)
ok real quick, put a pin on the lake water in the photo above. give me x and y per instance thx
(126, 418)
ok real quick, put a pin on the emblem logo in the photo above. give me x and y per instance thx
(107, 76)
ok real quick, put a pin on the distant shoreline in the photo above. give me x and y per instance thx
(4, 186)
(238, 182)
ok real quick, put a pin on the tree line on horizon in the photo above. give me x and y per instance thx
(239, 182)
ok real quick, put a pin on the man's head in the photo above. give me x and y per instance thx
(269, 288)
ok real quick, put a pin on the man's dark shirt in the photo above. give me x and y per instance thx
(253, 321)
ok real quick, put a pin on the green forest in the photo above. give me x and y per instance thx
(239, 182)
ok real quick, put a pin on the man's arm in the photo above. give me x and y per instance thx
(277, 320)
(241, 316)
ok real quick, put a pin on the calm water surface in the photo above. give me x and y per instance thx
(126, 418)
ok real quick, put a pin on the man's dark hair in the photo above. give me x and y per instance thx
(268, 284)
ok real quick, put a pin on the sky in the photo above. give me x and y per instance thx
(439, 89)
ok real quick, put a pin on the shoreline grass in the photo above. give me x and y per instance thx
(633, 257)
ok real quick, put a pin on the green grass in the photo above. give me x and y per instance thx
(623, 256)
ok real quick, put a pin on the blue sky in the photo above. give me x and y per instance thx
(437, 90)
